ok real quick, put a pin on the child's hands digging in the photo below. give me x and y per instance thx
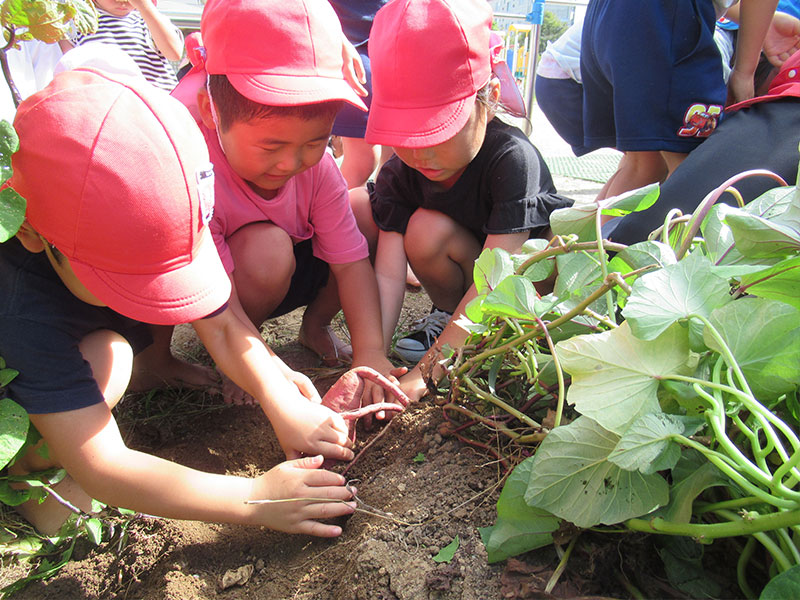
(294, 495)
(304, 427)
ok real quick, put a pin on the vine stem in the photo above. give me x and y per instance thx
(736, 526)
(702, 210)
(598, 229)
(562, 566)
(501, 404)
(559, 373)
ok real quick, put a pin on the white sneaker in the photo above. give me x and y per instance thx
(424, 333)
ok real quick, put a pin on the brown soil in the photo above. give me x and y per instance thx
(415, 508)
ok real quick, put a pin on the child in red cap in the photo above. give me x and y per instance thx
(270, 85)
(119, 192)
(461, 180)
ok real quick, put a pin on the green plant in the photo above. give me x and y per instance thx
(659, 385)
(47, 20)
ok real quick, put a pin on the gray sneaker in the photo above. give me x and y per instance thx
(424, 333)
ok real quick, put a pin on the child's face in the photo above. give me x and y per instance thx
(446, 162)
(267, 152)
(118, 8)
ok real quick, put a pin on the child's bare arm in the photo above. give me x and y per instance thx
(754, 17)
(390, 272)
(165, 37)
(302, 426)
(454, 336)
(358, 293)
(88, 445)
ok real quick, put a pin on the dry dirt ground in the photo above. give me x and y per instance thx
(411, 510)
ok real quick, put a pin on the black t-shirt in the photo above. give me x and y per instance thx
(41, 325)
(507, 188)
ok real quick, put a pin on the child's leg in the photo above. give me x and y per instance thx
(362, 210)
(264, 264)
(157, 367)
(635, 170)
(442, 254)
(359, 162)
(315, 331)
(111, 359)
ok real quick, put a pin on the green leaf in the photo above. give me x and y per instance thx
(85, 16)
(779, 282)
(632, 201)
(648, 444)
(757, 237)
(7, 376)
(641, 255)
(721, 247)
(690, 477)
(491, 267)
(420, 457)
(573, 479)
(615, 375)
(575, 272)
(519, 527)
(9, 143)
(764, 338)
(447, 553)
(772, 203)
(540, 270)
(684, 567)
(578, 219)
(94, 530)
(12, 213)
(674, 293)
(513, 297)
(13, 429)
(784, 586)
(11, 496)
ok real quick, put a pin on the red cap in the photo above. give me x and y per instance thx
(277, 52)
(116, 175)
(428, 58)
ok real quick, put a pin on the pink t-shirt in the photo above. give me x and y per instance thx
(312, 205)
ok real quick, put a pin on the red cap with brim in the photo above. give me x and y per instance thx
(277, 52)
(428, 61)
(116, 175)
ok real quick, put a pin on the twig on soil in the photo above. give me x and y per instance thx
(379, 435)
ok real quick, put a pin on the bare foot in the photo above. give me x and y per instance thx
(48, 516)
(411, 278)
(171, 372)
(332, 351)
(233, 394)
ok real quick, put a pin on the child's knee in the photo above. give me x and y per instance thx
(429, 233)
(263, 253)
(111, 358)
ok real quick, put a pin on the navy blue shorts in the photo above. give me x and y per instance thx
(310, 276)
(761, 136)
(352, 122)
(652, 74)
(561, 101)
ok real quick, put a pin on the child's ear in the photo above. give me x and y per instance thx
(30, 238)
(204, 108)
(494, 92)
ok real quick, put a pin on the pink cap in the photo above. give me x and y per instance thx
(116, 175)
(277, 52)
(429, 58)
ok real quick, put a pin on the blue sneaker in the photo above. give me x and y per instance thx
(424, 333)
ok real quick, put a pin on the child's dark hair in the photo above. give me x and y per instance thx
(232, 107)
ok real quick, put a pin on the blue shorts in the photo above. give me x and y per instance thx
(310, 276)
(561, 101)
(352, 122)
(652, 74)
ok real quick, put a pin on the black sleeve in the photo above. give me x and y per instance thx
(393, 197)
(522, 190)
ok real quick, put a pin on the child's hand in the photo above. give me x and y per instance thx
(301, 478)
(302, 382)
(414, 385)
(374, 394)
(305, 427)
